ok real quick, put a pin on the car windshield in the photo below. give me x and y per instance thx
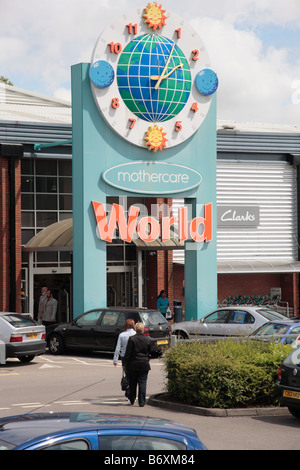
(152, 318)
(272, 329)
(271, 314)
(6, 445)
(19, 320)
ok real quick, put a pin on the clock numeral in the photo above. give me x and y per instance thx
(115, 48)
(132, 121)
(132, 28)
(195, 53)
(194, 107)
(115, 103)
(178, 31)
(178, 126)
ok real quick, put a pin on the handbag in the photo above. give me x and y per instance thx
(124, 381)
(168, 314)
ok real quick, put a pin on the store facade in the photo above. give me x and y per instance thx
(257, 245)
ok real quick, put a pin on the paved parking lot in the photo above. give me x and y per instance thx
(91, 383)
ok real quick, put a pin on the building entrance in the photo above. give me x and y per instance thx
(121, 287)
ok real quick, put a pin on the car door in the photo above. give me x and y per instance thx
(214, 323)
(239, 323)
(82, 332)
(110, 326)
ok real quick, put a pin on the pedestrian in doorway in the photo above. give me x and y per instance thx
(42, 301)
(50, 309)
(137, 364)
(163, 302)
(121, 348)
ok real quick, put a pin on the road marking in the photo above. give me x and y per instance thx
(8, 373)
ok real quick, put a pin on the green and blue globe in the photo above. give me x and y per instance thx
(145, 57)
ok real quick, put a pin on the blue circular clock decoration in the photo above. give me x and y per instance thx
(206, 82)
(102, 74)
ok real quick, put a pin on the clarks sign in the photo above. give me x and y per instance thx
(238, 216)
(148, 177)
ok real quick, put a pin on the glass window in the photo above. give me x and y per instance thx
(240, 316)
(74, 444)
(65, 185)
(27, 235)
(152, 318)
(27, 219)
(19, 320)
(114, 253)
(89, 318)
(65, 203)
(65, 215)
(43, 219)
(110, 319)
(27, 202)
(65, 167)
(46, 167)
(46, 202)
(27, 184)
(46, 256)
(220, 316)
(46, 184)
(131, 442)
(27, 166)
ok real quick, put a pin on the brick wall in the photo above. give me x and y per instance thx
(5, 234)
(247, 284)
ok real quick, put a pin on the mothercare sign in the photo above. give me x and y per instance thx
(150, 177)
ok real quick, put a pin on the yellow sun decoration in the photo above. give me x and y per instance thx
(155, 138)
(154, 16)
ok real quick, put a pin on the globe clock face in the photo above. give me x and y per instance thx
(151, 78)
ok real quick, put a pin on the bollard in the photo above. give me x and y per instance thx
(2, 352)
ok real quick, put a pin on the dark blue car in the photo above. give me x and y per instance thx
(94, 431)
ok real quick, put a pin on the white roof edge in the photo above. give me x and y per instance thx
(228, 125)
(34, 94)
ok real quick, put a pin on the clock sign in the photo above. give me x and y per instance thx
(151, 78)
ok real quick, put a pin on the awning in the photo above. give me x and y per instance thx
(55, 237)
(272, 266)
(59, 237)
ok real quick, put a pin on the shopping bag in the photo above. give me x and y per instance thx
(124, 381)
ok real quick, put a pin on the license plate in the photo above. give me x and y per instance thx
(291, 394)
(32, 335)
(162, 341)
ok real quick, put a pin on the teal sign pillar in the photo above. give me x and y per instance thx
(96, 148)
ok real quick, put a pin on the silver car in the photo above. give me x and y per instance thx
(24, 338)
(227, 321)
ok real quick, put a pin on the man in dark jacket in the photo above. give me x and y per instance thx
(137, 364)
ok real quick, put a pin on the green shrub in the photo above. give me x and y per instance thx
(224, 374)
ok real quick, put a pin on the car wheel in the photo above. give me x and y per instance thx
(294, 411)
(180, 334)
(26, 358)
(56, 344)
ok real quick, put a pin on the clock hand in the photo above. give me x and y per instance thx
(165, 68)
(156, 77)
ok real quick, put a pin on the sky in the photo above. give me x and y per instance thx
(253, 45)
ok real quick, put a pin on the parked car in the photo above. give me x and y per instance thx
(288, 383)
(24, 338)
(282, 331)
(94, 431)
(99, 329)
(227, 321)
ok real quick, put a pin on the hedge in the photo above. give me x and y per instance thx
(224, 374)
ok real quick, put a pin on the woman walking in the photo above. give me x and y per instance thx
(137, 364)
